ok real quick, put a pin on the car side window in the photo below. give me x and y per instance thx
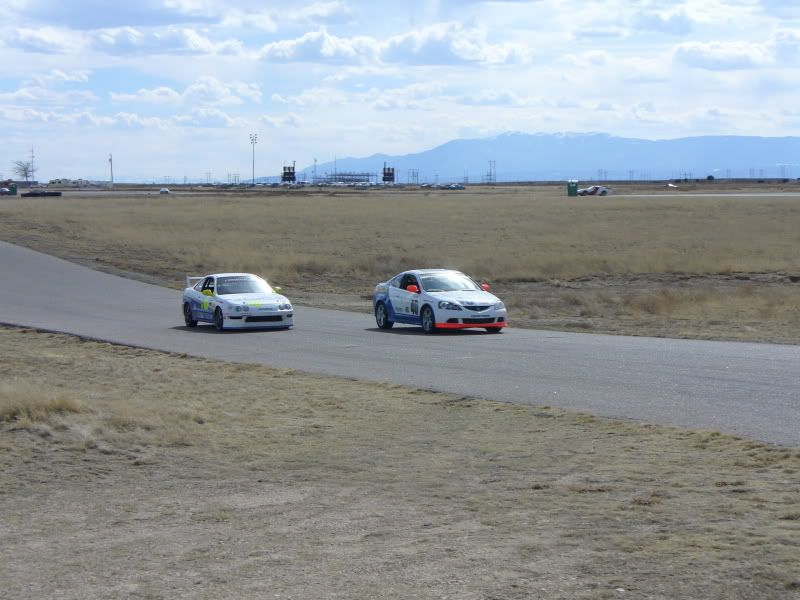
(208, 284)
(409, 280)
(396, 281)
(199, 285)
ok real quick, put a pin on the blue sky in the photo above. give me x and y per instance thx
(173, 88)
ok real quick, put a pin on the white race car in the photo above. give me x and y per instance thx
(235, 301)
(593, 190)
(437, 299)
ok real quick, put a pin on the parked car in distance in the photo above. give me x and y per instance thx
(593, 190)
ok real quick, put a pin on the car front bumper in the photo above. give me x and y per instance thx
(465, 319)
(491, 323)
(265, 320)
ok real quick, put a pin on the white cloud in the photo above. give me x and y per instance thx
(722, 55)
(317, 96)
(159, 95)
(128, 40)
(30, 115)
(136, 121)
(450, 43)
(53, 88)
(212, 117)
(676, 24)
(589, 59)
(320, 46)
(440, 44)
(787, 47)
(48, 40)
(268, 20)
(205, 91)
(414, 96)
(282, 121)
(494, 98)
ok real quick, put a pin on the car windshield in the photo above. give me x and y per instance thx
(447, 282)
(242, 285)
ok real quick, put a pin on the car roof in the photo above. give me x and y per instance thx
(426, 271)
(232, 275)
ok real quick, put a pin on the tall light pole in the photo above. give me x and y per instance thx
(253, 142)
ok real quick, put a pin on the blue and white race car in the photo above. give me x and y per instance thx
(437, 299)
(235, 301)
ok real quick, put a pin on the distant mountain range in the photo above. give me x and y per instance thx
(590, 156)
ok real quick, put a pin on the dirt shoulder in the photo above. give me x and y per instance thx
(129, 473)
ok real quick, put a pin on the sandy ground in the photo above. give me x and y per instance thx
(127, 473)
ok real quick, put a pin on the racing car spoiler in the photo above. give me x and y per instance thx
(190, 281)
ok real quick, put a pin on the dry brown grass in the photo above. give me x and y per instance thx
(197, 478)
(499, 233)
(22, 403)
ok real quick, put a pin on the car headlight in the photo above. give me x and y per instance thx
(499, 306)
(449, 305)
(238, 309)
(286, 306)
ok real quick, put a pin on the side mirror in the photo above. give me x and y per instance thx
(277, 289)
(485, 287)
(208, 293)
(413, 289)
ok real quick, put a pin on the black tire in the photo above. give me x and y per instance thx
(494, 329)
(219, 319)
(428, 320)
(382, 316)
(187, 316)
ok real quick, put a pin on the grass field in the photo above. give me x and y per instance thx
(128, 473)
(721, 267)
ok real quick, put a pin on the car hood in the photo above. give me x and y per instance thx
(254, 299)
(466, 298)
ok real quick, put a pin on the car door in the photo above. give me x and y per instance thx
(205, 308)
(405, 303)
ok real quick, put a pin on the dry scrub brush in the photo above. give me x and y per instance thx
(26, 403)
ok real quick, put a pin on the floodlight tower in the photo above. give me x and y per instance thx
(253, 142)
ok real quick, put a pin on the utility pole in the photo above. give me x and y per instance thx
(111, 165)
(253, 142)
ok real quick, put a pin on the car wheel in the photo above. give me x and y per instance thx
(382, 316)
(428, 322)
(187, 315)
(219, 319)
(494, 329)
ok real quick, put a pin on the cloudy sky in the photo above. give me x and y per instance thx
(173, 88)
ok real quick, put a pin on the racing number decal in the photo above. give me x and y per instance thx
(415, 307)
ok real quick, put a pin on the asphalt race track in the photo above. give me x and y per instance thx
(746, 389)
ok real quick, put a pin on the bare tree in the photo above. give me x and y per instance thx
(23, 169)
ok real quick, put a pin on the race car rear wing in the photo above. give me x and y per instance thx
(190, 281)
